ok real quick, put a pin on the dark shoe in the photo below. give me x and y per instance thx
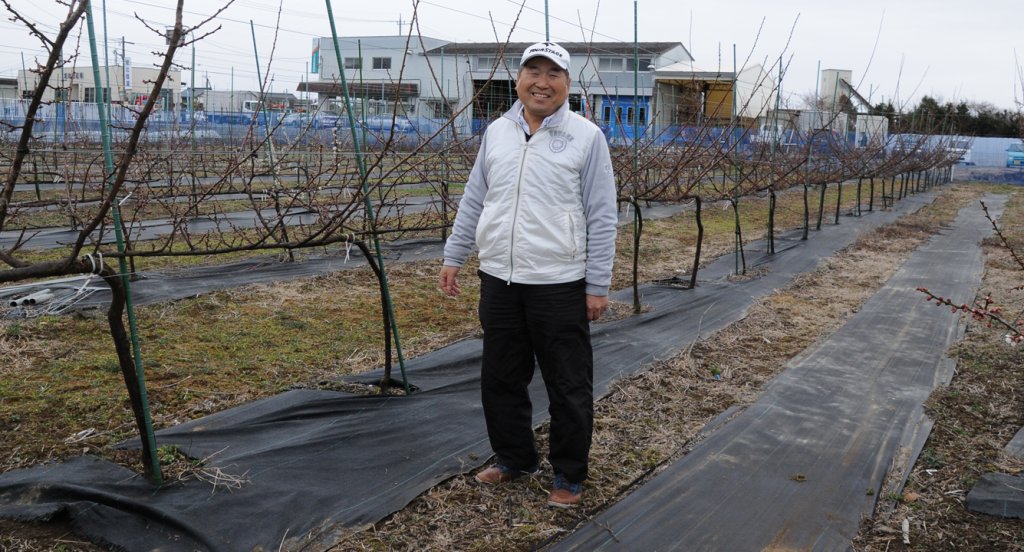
(500, 473)
(565, 493)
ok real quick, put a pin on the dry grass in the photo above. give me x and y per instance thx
(654, 417)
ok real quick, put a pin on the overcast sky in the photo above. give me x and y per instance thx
(898, 49)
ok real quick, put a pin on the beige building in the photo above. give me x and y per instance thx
(8, 88)
(129, 85)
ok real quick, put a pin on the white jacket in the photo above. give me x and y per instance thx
(543, 210)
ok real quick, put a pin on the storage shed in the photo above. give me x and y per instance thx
(685, 94)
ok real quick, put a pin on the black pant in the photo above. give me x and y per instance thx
(547, 322)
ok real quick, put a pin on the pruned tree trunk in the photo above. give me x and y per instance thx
(839, 199)
(700, 241)
(860, 185)
(123, 346)
(386, 381)
(807, 213)
(821, 205)
(871, 194)
(638, 228)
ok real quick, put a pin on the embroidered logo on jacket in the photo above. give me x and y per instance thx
(559, 141)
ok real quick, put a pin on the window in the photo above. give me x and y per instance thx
(438, 109)
(166, 100)
(618, 115)
(59, 94)
(645, 64)
(90, 95)
(27, 94)
(484, 63)
(488, 63)
(382, 63)
(629, 114)
(405, 108)
(643, 115)
(607, 113)
(576, 103)
(609, 64)
(354, 63)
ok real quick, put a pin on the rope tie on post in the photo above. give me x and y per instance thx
(348, 245)
(96, 269)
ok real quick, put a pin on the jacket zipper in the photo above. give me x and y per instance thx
(515, 211)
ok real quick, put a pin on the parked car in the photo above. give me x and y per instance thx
(1015, 155)
(961, 149)
(382, 123)
(318, 120)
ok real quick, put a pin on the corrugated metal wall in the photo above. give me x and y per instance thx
(990, 152)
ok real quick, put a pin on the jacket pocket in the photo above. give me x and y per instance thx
(570, 234)
(488, 233)
(574, 235)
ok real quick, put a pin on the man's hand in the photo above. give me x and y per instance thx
(449, 283)
(596, 305)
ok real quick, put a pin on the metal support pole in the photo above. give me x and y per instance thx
(366, 198)
(108, 158)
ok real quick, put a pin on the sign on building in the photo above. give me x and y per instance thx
(314, 62)
(127, 74)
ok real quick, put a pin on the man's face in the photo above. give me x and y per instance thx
(542, 86)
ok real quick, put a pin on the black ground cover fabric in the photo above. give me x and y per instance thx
(998, 494)
(798, 469)
(317, 461)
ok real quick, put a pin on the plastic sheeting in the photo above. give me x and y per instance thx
(320, 461)
(799, 468)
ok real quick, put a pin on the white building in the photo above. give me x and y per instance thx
(871, 130)
(384, 74)
(128, 85)
(430, 79)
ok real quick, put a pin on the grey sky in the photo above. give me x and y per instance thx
(947, 49)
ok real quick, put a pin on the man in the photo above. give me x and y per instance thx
(540, 205)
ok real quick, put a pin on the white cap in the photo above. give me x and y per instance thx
(550, 50)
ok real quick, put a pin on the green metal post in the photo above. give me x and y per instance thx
(192, 105)
(636, 84)
(263, 107)
(736, 185)
(366, 197)
(547, 24)
(108, 158)
(270, 142)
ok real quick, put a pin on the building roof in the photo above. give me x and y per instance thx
(593, 48)
(684, 70)
(279, 96)
(856, 94)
